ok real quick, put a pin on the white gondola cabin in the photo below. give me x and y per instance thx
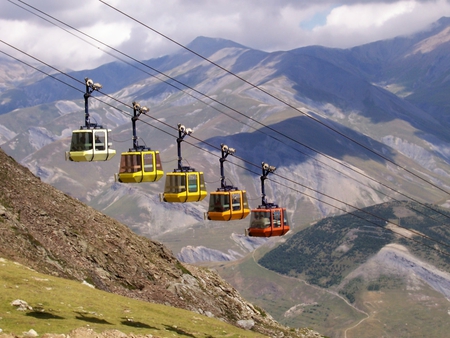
(90, 145)
(91, 141)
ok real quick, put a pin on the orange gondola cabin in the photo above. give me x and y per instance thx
(268, 219)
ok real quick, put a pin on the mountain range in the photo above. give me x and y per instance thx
(358, 96)
(346, 128)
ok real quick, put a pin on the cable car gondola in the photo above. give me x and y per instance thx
(184, 184)
(268, 219)
(139, 164)
(227, 203)
(91, 141)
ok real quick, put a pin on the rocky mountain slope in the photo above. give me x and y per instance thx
(53, 233)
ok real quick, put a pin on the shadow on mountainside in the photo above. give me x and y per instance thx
(294, 140)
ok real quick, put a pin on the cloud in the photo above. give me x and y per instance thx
(318, 19)
(348, 26)
(267, 25)
(367, 16)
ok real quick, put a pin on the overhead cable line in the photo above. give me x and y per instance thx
(292, 181)
(327, 156)
(206, 96)
(216, 101)
(293, 107)
(188, 87)
(81, 82)
(274, 97)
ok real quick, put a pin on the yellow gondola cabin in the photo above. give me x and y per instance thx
(184, 184)
(139, 164)
(228, 203)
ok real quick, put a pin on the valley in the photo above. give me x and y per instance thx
(386, 291)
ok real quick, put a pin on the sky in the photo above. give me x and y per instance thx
(129, 25)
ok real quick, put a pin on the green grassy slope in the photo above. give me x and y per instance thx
(59, 306)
